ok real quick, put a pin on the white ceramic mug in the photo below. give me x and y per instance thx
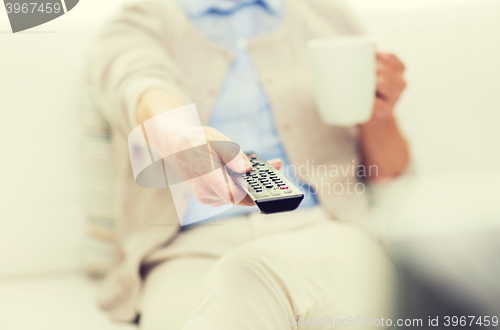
(344, 78)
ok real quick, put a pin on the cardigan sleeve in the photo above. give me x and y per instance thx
(129, 57)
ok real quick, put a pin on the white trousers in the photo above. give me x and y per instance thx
(296, 270)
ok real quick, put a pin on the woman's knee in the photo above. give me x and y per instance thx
(245, 262)
(252, 271)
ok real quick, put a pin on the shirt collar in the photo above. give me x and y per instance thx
(199, 8)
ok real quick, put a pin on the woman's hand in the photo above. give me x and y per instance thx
(201, 160)
(390, 85)
(198, 155)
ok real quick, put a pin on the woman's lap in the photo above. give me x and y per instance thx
(316, 270)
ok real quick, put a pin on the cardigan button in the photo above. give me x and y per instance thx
(242, 43)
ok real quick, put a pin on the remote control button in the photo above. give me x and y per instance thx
(258, 190)
(263, 195)
(262, 164)
(274, 176)
(263, 170)
(276, 193)
(289, 191)
(280, 184)
(255, 175)
(269, 186)
(283, 187)
(255, 184)
(252, 156)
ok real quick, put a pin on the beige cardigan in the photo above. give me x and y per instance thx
(153, 44)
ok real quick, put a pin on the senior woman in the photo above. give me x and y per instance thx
(243, 63)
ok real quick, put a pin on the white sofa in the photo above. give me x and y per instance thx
(450, 114)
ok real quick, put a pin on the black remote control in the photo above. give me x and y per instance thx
(267, 187)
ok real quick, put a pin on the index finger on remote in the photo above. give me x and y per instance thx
(276, 163)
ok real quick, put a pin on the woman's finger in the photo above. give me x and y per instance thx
(276, 163)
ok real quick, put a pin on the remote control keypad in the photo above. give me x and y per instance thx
(270, 190)
(264, 180)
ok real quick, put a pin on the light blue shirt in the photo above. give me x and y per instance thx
(242, 110)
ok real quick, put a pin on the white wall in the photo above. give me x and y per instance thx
(451, 109)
